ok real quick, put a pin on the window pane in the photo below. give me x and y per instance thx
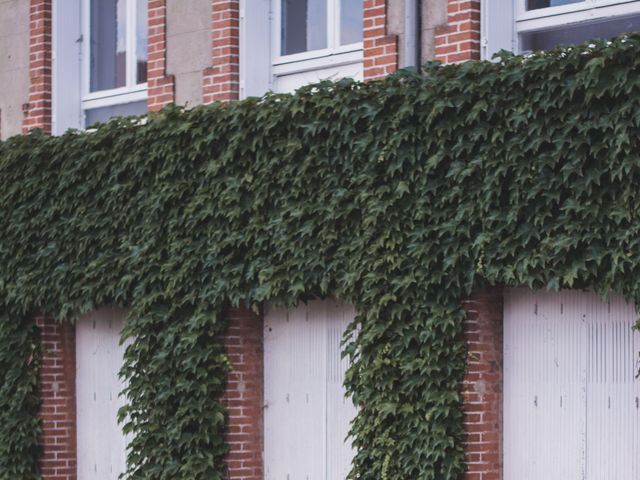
(103, 114)
(605, 29)
(536, 4)
(350, 21)
(141, 41)
(108, 44)
(304, 25)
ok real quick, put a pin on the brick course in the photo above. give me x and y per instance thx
(243, 397)
(37, 112)
(57, 386)
(221, 81)
(161, 85)
(482, 385)
(380, 49)
(459, 39)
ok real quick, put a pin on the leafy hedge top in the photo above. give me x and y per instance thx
(396, 195)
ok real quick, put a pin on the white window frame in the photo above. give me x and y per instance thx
(131, 92)
(334, 55)
(570, 14)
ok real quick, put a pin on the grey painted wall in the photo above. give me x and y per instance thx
(188, 47)
(14, 64)
(434, 14)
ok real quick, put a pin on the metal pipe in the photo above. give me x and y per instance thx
(412, 33)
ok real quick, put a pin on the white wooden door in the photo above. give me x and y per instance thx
(307, 416)
(570, 393)
(99, 357)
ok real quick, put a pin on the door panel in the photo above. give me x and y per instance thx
(306, 413)
(569, 387)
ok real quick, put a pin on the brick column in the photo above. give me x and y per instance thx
(37, 112)
(57, 385)
(243, 397)
(161, 86)
(459, 39)
(380, 48)
(482, 386)
(221, 81)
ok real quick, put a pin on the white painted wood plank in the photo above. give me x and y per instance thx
(99, 357)
(306, 413)
(569, 387)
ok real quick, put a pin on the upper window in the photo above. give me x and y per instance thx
(115, 70)
(544, 24)
(319, 26)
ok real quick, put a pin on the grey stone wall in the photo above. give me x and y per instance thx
(188, 47)
(14, 65)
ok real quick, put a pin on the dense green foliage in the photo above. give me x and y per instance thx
(397, 196)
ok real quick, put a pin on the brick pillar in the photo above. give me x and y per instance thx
(161, 86)
(380, 48)
(57, 385)
(37, 112)
(459, 39)
(221, 81)
(482, 386)
(243, 397)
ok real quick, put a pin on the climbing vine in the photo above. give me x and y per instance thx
(397, 196)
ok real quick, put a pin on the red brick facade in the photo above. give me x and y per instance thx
(37, 112)
(221, 81)
(161, 86)
(482, 386)
(243, 398)
(459, 39)
(380, 49)
(57, 384)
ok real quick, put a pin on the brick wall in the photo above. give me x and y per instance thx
(37, 112)
(380, 48)
(57, 384)
(482, 386)
(459, 39)
(161, 86)
(221, 81)
(243, 397)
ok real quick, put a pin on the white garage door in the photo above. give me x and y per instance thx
(99, 357)
(571, 399)
(307, 416)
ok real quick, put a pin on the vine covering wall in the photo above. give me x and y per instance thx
(397, 196)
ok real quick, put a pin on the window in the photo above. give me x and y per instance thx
(545, 24)
(314, 40)
(312, 25)
(529, 25)
(115, 59)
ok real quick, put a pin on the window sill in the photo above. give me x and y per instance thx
(116, 96)
(316, 60)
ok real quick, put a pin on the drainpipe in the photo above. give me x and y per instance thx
(412, 33)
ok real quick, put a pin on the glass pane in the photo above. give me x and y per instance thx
(536, 4)
(605, 29)
(108, 44)
(103, 114)
(350, 21)
(304, 25)
(141, 41)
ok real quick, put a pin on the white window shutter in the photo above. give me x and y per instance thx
(255, 47)
(67, 47)
(497, 27)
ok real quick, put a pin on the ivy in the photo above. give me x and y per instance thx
(397, 196)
